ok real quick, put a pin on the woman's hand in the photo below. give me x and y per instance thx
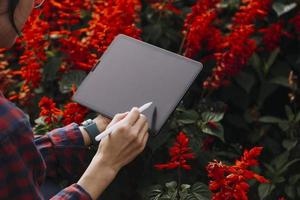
(116, 150)
(101, 122)
(126, 141)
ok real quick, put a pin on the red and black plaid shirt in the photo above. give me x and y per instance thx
(26, 161)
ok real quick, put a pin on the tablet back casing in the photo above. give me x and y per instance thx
(132, 73)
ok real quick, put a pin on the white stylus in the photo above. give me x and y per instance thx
(110, 129)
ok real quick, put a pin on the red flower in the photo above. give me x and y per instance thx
(49, 110)
(180, 153)
(229, 182)
(62, 29)
(199, 30)
(238, 49)
(272, 35)
(251, 10)
(165, 6)
(74, 113)
(296, 22)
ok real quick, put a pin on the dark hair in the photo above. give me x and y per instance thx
(12, 4)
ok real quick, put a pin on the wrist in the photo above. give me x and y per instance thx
(86, 137)
(97, 177)
(92, 129)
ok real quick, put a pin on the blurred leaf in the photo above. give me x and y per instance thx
(289, 113)
(265, 91)
(217, 131)
(289, 144)
(245, 80)
(271, 60)
(51, 68)
(283, 81)
(281, 8)
(294, 179)
(171, 190)
(284, 125)
(155, 192)
(298, 190)
(199, 191)
(280, 160)
(171, 185)
(256, 62)
(287, 165)
(212, 116)
(290, 191)
(264, 190)
(297, 117)
(188, 117)
(73, 77)
(270, 119)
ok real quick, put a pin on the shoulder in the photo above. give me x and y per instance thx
(11, 117)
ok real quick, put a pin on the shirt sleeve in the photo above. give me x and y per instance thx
(22, 168)
(74, 192)
(64, 152)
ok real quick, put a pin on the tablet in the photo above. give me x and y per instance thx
(132, 73)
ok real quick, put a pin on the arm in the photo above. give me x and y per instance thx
(22, 169)
(64, 152)
(66, 149)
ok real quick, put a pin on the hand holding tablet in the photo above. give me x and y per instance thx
(110, 129)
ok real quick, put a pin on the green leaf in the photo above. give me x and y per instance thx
(188, 117)
(289, 144)
(284, 126)
(290, 191)
(280, 160)
(217, 131)
(171, 185)
(264, 190)
(51, 68)
(212, 116)
(287, 165)
(283, 81)
(73, 77)
(171, 190)
(298, 190)
(265, 91)
(155, 193)
(199, 191)
(289, 113)
(270, 119)
(297, 117)
(271, 60)
(281, 8)
(245, 81)
(294, 179)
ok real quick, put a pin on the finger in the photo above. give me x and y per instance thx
(118, 117)
(140, 123)
(145, 139)
(132, 116)
(142, 133)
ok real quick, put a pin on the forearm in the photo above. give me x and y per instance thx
(97, 177)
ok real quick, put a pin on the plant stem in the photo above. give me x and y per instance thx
(178, 182)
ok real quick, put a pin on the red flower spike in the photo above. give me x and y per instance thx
(229, 182)
(199, 30)
(74, 113)
(49, 110)
(179, 153)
